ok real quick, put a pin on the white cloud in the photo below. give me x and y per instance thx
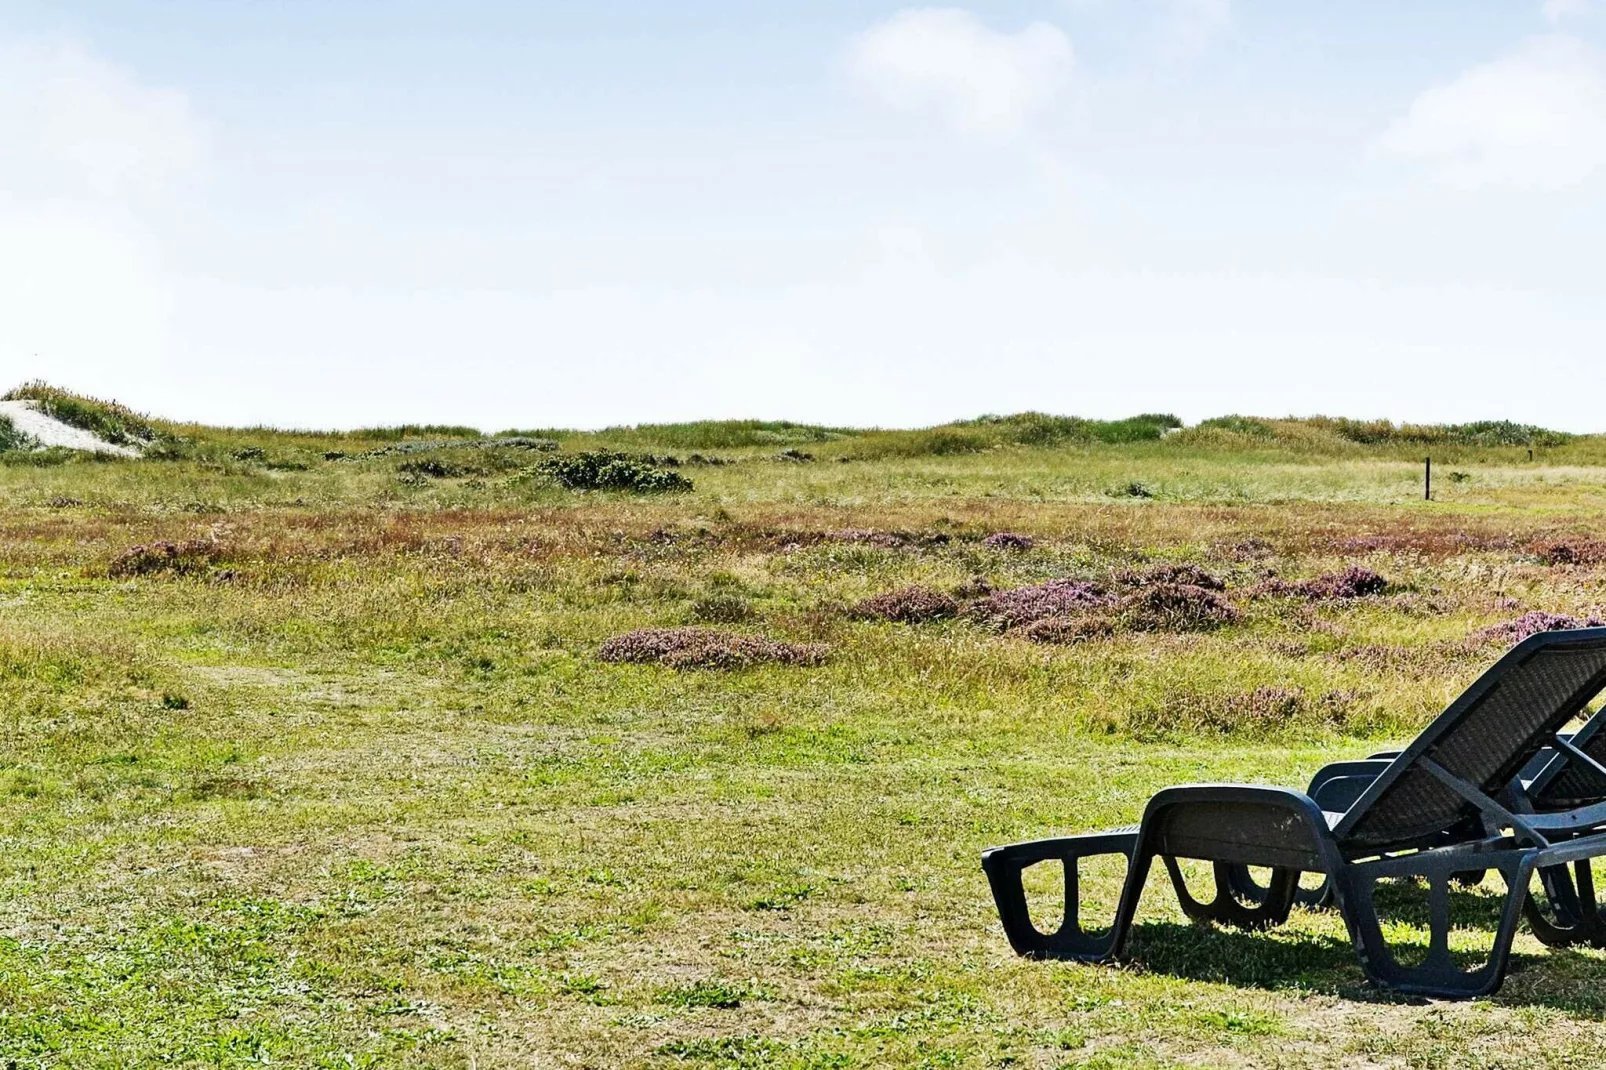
(71, 123)
(1556, 11)
(88, 159)
(1189, 26)
(946, 61)
(1535, 119)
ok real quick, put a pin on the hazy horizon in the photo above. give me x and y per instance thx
(187, 418)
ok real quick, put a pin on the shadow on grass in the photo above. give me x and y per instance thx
(1565, 979)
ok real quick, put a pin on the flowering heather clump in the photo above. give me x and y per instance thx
(1353, 582)
(1515, 631)
(705, 648)
(1007, 540)
(1190, 575)
(1177, 607)
(1023, 605)
(1253, 548)
(911, 605)
(1068, 630)
(1576, 552)
(176, 557)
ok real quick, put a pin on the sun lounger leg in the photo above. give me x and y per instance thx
(1573, 916)
(1438, 974)
(1004, 867)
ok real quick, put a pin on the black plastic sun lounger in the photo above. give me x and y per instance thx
(1438, 810)
(1549, 782)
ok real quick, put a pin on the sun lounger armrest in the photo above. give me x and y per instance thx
(1337, 785)
(1248, 824)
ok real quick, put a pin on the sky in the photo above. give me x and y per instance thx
(581, 213)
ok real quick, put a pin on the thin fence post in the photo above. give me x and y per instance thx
(1427, 480)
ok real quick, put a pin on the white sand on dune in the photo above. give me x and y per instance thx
(48, 431)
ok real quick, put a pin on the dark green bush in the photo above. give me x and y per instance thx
(607, 470)
(432, 468)
(11, 438)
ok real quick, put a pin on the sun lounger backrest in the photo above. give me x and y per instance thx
(1563, 783)
(1484, 738)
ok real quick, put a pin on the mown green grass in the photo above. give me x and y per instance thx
(358, 792)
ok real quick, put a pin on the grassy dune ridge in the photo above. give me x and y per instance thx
(329, 773)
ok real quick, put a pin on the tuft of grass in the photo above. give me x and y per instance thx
(716, 994)
(1248, 426)
(406, 432)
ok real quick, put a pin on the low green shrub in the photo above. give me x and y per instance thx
(406, 431)
(1478, 433)
(1042, 429)
(719, 434)
(607, 470)
(1239, 425)
(11, 438)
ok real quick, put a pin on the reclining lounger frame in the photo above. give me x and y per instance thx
(1568, 775)
(1433, 813)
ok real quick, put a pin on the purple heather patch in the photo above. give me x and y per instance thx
(1068, 630)
(1575, 552)
(1191, 575)
(911, 605)
(1023, 605)
(1515, 631)
(1007, 540)
(1353, 582)
(1177, 607)
(705, 648)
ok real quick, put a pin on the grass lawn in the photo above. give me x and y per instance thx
(340, 780)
